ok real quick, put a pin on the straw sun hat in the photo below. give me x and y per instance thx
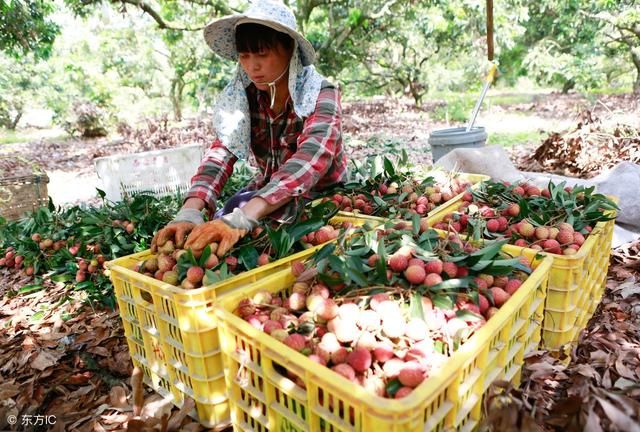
(220, 34)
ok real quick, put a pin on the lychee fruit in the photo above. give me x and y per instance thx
(565, 237)
(383, 352)
(367, 341)
(450, 269)
(339, 356)
(513, 210)
(359, 359)
(297, 301)
(483, 303)
(564, 226)
(435, 266)
(296, 342)
(432, 279)
(552, 246)
(170, 277)
(512, 286)
(297, 268)
(392, 367)
(271, 325)
(398, 263)
(499, 295)
(411, 374)
(416, 329)
(526, 230)
(542, 233)
(393, 326)
(369, 320)
(264, 259)
(403, 392)
(345, 331)
(376, 299)
(415, 274)
(493, 225)
(345, 370)
(327, 309)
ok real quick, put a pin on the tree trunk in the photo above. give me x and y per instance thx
(635, 57)
(14, 122)
(568, 85)
(177, 87)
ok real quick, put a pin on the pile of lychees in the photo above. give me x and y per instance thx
(553, 219)
(401, 198)
(179, 267)
(391, 330)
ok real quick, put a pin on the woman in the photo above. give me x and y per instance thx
(278, 112)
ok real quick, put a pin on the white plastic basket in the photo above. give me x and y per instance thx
(159, 172)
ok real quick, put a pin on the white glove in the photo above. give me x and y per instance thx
(238, 219)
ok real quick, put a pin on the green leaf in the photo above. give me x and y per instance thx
(415, 306)
(393, 386)
(191, 257)
(336, 264)
(361, 251)
(415, 220)
(379, 201)
(467, 315)
(30, 288)
(248, 256)
(328, 280)
(86, 285)
(324, 252)
(357, 276)
(481, 265)
(388, 167)
(206, 253)
(65, 277)
(300, 229)
(442, 301)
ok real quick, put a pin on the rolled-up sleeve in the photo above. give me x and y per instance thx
(214, 171)
(315, 152)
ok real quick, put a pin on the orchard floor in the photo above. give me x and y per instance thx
(61, 357)
(378, 125)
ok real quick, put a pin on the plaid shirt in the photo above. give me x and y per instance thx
(294, 156)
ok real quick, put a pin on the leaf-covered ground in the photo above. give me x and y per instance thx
(60, 358)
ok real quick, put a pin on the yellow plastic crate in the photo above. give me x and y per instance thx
(173, 335)
(262, 399)
(476, 179)
(576, 283)
(576, 286)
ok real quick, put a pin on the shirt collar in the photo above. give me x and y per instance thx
(264, 100)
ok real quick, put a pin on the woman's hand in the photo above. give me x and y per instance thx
(187, 218)
(176, 232)
(216, 231)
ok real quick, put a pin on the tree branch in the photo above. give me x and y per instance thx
(383, 10)
(145, 7)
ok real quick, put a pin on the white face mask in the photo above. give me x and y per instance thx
(272, 86)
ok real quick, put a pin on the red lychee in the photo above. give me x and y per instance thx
(359, 359)
(295, 341)
(411, 374)
(415, 274)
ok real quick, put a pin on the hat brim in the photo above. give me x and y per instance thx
(220, 35)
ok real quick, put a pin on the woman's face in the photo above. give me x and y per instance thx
(266, 65)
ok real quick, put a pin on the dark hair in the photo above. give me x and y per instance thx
(254, 38)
